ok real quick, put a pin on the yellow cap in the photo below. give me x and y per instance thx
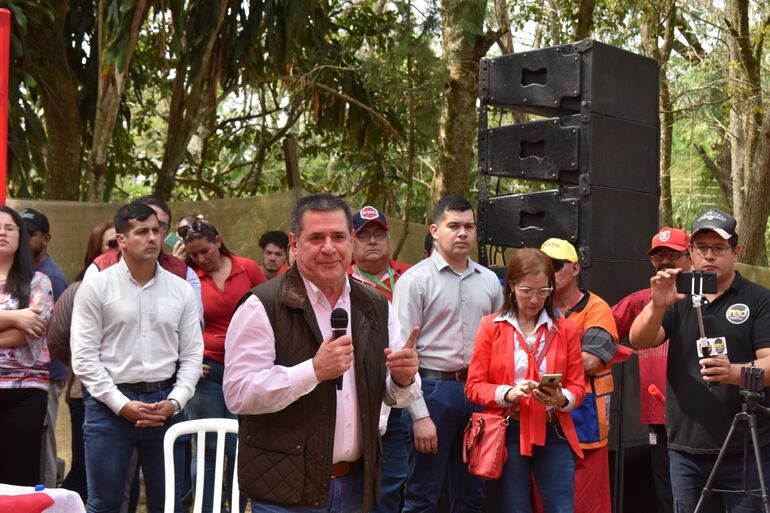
(559, 249)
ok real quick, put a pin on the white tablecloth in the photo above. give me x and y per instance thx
(64, 501)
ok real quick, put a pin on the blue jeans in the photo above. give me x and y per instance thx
(109, 442)
(209, 402)
(450, 410)
(689, 473)
(554, 468)
(394, 466)
(346, 495)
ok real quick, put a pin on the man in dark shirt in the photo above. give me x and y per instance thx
(698, 416)
(38, 230)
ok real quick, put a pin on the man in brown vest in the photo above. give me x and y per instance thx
(308, 402)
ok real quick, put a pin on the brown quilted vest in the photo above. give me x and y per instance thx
(169, 262)
(285, 457)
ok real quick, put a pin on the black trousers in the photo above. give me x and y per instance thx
(22, 415)
(660, 470)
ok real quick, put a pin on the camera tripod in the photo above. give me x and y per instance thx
(748, 414)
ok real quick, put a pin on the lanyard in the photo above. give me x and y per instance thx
(377, 281)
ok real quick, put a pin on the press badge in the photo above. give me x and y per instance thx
(708, 347)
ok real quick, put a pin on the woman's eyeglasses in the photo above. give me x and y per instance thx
(529, 292)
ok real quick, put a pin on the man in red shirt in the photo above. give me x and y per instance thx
(373, 266)
(667, 251)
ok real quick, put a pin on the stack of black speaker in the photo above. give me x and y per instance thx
(598, 144)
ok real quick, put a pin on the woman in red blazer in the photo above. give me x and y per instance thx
(513, 349)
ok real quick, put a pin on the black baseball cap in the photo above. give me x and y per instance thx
(35, 220)
(367, 215)
(716, 221)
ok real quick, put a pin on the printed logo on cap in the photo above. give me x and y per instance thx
(737, 313)
(369, 213)
(664, 235)
(711, 215)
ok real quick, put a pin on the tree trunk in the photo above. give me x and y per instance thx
(585, 19)
(111, 85)
(666, 207)
(463, 45)
(58, 89)
(659, 24)
(194, 97)
(748, 141)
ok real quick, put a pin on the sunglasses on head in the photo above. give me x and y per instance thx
(196, 226)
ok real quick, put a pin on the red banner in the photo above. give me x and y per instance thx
(5, 54)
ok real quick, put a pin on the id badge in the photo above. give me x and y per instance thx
(708, 347)
(653, 438)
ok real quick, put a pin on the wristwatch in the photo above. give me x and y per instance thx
(177, 407)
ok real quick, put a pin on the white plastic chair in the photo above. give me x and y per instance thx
(201, 426)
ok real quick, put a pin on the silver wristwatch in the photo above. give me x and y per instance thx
(177, 407)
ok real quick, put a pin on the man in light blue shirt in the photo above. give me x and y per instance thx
(446, 295)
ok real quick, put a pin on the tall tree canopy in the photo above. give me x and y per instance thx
(194, 98)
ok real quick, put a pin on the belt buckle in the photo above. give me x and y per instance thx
(461, 375)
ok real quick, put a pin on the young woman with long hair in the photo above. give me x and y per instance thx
(26, 302)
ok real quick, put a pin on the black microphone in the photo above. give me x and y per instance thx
(339, 322)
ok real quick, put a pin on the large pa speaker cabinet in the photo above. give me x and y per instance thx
(572, 78)
(600, 149)
(603, 225)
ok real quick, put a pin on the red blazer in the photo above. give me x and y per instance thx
(493, 359)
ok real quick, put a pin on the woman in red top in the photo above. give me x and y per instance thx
(225, 278)
(513, 349)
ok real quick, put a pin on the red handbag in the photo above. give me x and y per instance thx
(484, 449)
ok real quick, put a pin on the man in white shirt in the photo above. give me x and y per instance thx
(309, 404)
(446, 294)
(138, 349)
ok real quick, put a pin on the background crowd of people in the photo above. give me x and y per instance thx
(372, 420)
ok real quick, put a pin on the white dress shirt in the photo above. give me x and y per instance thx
(190, 277)
(253, 384)
(124, 332)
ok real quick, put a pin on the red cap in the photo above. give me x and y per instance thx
(672, 238)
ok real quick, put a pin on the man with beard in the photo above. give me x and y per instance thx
(667, 251)
(275, 254)
(38, 229)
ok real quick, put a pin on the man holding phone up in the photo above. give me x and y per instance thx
(698, 417)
